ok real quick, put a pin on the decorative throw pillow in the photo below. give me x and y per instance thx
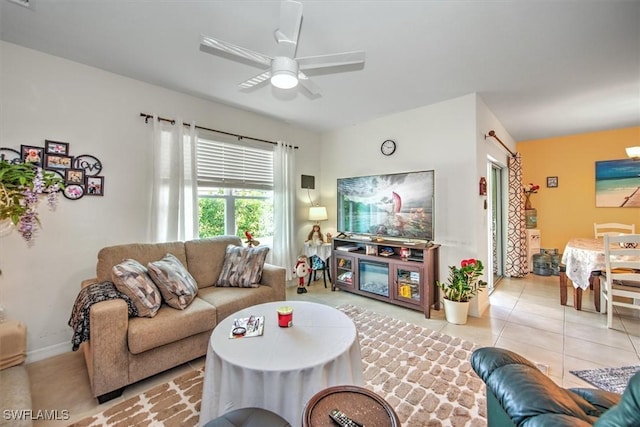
(177, 286)
(131, 278)
(242, 266)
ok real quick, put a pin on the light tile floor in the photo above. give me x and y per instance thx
(525, 316)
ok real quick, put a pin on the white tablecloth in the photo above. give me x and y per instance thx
(282, 369)
(582, 256)
(323, 250)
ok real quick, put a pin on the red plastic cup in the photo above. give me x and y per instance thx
(285, 317)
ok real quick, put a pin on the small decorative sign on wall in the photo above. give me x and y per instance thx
(618, 184)
(81, 174)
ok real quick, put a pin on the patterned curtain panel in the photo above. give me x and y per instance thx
(516, 262)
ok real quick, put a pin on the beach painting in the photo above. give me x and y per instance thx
(618, 184)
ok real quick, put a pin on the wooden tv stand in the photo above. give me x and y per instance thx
(397, 272)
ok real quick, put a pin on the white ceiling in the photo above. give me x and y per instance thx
(544, 67)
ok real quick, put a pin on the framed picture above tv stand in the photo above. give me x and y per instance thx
(397, 272)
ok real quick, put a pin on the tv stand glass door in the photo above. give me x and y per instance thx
(408, 280)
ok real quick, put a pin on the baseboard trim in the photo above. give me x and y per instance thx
(47, 352)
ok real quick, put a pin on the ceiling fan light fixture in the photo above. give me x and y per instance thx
(284, 72)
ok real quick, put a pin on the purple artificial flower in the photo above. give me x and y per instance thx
(52, 196)
(28, 225)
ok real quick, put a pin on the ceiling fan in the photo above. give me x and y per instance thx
(284, 70)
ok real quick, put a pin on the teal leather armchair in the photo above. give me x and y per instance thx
(518, 394)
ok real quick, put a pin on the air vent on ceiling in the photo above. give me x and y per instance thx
(25, 3)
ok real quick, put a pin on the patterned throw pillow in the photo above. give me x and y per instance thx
(131, 278)
(177, 286)
(242, 266)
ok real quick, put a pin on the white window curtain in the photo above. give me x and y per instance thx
(284, 187)
(174, 199)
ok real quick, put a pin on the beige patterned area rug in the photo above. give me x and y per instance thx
(424, 375)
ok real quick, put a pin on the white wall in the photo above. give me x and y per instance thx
(46, 97)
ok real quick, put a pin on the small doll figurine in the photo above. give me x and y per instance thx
(315, 235)
(301, 270)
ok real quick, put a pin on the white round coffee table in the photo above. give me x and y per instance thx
(282, 369)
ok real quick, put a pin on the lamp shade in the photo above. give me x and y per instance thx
(318, 213)
(633, 152)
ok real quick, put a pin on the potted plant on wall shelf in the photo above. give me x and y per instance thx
(21, 186)
(463, 283)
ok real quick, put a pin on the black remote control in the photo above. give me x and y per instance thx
(342, 420)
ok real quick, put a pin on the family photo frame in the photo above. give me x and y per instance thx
(56, 147)
(74, 176)
(57, 161)
(32, 154)
(95, 186)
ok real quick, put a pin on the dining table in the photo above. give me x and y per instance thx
(583, 260)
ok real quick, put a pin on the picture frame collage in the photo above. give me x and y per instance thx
(81, 174)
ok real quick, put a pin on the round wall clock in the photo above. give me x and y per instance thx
(388, 147)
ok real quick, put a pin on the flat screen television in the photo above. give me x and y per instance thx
(394, 205)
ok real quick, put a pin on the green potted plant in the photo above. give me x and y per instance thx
(463, 283)
(21, 186)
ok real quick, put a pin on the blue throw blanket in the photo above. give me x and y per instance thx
(89, 295)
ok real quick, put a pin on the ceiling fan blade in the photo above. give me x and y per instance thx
(308, 84)
(233, 50)
(256, 80)
(289, 29)
(331, 60)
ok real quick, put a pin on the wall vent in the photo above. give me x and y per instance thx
(25, 3)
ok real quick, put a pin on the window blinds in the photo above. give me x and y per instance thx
(231, 165)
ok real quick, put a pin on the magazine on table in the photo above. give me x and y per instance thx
(252, 326)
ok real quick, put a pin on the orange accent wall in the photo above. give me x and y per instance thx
(570, 209)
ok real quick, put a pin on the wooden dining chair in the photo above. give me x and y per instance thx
(621, 279)
(600, 230)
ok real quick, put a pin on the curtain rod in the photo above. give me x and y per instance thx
(240, 137)
(492, 133)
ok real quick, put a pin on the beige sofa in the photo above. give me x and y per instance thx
(123, 350)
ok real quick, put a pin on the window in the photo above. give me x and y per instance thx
(235, 189)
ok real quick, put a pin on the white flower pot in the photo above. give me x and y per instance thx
(456, 312)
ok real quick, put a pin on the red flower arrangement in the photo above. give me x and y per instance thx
(463, 282)
(530, 189)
